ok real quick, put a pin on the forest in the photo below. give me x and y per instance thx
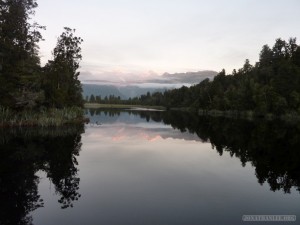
(271, 86)
(31, 94)
(25, 84)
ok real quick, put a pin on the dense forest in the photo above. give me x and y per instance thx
(25, 84)
(271, 86)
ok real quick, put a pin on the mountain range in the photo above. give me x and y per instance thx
(136, 88)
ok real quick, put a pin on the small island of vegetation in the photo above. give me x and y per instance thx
(32, 95)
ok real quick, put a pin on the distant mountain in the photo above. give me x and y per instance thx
(133, 91)
(138, 88)
(190, 77)
(125, 92)
(102, 90)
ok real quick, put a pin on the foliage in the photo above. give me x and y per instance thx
(111, 99)
(271, 86)
(19, 61)
(62, 87)
(24, 83)
(52, 117)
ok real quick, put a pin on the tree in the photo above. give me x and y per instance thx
(265, 56)
(246, 68)
(19, 61)
(92, 99)
(279, 49)
(98, 99)
(61, 84)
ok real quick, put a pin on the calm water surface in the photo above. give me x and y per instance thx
(158, 168)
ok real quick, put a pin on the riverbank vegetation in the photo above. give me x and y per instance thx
(32, 94)
(52, 117)
(120, 106)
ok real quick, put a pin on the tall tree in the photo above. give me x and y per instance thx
(62, 87)
(19, 61)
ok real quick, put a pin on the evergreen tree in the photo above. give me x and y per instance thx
(92, 99)
(62, 87)
(19, 61)
(270, 86)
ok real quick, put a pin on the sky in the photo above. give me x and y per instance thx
(144, 38)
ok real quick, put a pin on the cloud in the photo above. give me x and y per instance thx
(117, 76)
(133, 37)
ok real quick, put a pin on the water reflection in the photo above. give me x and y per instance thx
(272, 147)
(23, 154)
(149, 167)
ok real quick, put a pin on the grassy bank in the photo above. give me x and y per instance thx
(42, 118)
(119, 106)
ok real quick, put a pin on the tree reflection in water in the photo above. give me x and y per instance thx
(272, 147)
(23, 154)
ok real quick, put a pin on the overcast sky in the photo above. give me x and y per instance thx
(148, 37)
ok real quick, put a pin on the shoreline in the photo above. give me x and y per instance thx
(75, 115)
(120, 106)
(249, 115)
(45, 118)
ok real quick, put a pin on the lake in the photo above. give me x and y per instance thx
(150, 168)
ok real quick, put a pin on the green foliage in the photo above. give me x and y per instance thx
(19, 61)
(24, 84)
(52, 117)
(270, 87)
(111, 99)
(62, 87)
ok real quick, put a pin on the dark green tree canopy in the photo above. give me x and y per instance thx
(24, 84)
(62, 87)
(20, 63)
(272, 85)
(68, 49)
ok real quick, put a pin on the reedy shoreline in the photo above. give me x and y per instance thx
(44, 118)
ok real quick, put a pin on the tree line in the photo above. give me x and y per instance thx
(272, 85)
(112, 99)
(24, 82)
